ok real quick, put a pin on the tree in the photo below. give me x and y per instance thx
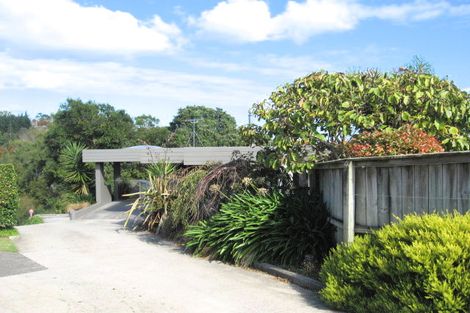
(303, 121)
(154, 136)
(420, 66)
(10, 125)
(148, 132)
(97, 126)
(43, 119)
(203, 126)
(146, 121)
(36, 171)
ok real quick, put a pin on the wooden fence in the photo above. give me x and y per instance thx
(366, 193)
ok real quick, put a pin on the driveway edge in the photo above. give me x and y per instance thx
(294, 278)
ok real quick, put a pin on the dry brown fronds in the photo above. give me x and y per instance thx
(77, 206)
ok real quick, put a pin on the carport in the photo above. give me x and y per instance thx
(150, 154)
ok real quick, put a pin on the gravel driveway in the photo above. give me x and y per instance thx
(94, 266)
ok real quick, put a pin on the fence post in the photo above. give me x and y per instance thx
(348, 209)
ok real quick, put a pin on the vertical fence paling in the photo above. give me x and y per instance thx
(366, 193)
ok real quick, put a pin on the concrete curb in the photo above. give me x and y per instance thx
(294, 278)
(77, 214)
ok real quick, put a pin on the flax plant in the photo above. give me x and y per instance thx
(154, 202)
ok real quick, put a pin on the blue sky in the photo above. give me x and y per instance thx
(155, 56)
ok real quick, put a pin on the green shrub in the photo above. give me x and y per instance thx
(405, 140)
(421, 264)
(8, 196)
(36, 219)
(274, 228)
(184, 206)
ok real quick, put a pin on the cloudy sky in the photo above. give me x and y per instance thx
(154, 56)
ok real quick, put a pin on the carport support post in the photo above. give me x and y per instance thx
(349, 208)
(102, 192)
(117, 179)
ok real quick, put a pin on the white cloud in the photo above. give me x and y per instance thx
(252, 21)
(279, 66)
(414, 11)
(139, 89)
(245, 20)
(66, 25)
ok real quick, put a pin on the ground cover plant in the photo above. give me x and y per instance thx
(421, 264)
(265, 227)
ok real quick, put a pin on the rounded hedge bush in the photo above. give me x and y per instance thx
(421, 264)
(8, 196)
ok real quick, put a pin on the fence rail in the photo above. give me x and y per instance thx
(366, 193)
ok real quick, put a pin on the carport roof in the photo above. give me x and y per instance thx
(151, 154)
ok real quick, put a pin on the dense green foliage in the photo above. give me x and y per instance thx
(303, 121)
(153, 136)
(196, 193)
(421, 264)
(39, 176)
(149, 133)
(10, 126)
(48, 157)
(76, 173)
(264, 228)
(91, 124)
(405, 140)
(146, 121)
(214, 127)
(8, 196)
(184, 205)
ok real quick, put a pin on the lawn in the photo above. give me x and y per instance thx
(6, 245)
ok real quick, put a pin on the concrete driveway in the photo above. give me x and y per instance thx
(95, 266)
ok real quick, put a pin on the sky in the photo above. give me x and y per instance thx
(155, 56)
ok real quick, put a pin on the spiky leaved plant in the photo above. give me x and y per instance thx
(269, 227)
(74, 171)
(153, 203)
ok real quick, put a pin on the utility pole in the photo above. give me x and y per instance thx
(249, 117)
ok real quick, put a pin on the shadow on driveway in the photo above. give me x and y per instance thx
(15, 263)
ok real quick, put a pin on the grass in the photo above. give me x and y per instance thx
(6, 245)
(7, 232)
